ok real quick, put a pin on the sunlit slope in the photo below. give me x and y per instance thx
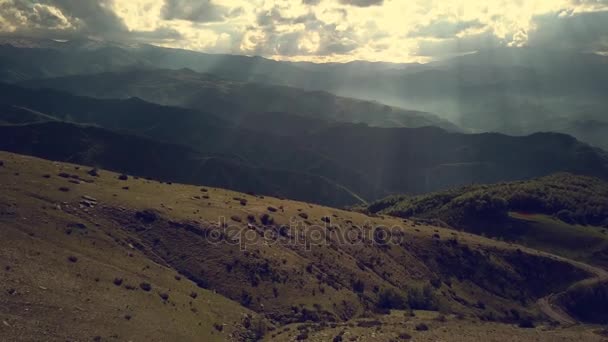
(116, 227)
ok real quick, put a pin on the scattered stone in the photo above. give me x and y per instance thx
(164, 296)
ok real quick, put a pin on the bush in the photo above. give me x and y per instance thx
(117, 281)
(526, 323)
(145, 286)
(389, 299)
(123, 177)
(266, 220)
(358, 286)
(422, 327)
(421, 299)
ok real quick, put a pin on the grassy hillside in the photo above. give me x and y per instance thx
(562, 213)
(94, 228)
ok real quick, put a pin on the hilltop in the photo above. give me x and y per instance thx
(93, 253)
(562, 213)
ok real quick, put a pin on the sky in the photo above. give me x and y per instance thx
(399, 31)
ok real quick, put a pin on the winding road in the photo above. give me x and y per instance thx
(553, 311)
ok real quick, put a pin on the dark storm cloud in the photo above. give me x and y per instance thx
(581, 31)
(202, 11)
(362, 3)
(444, 29)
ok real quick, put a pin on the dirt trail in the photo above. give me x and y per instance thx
(556, 313)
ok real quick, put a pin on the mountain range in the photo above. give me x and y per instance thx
(351, 163)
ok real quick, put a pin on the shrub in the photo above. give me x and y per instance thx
(272, 209)
(117, 281)
(145, 286)
(266, 220)
(526, 323)
(422, 327)
(358, 286)
(64, 189)
(389, 299)
(164, 296)
(72, 258)
(193, 295)
(404, 336)
(421, 299)
(235, 218)
(123, 177)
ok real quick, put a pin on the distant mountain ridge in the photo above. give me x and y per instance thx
(515, 91)
(233, 100)
(366, 162)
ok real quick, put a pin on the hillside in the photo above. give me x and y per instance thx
(140, 259)
(562, 213)
(162, 161)
(369, 162)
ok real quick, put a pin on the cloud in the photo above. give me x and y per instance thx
(319, 30)
(362, 3)
(445, 29)
(569, 30)
(203, 11)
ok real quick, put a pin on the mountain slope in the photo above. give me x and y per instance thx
(147, 158)
(243, 247)
(369, 161)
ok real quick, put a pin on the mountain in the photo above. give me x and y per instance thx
(235, 100)
(562, 213)
(515, 91)
(370, 162)
(114, 257)
(98, 147)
